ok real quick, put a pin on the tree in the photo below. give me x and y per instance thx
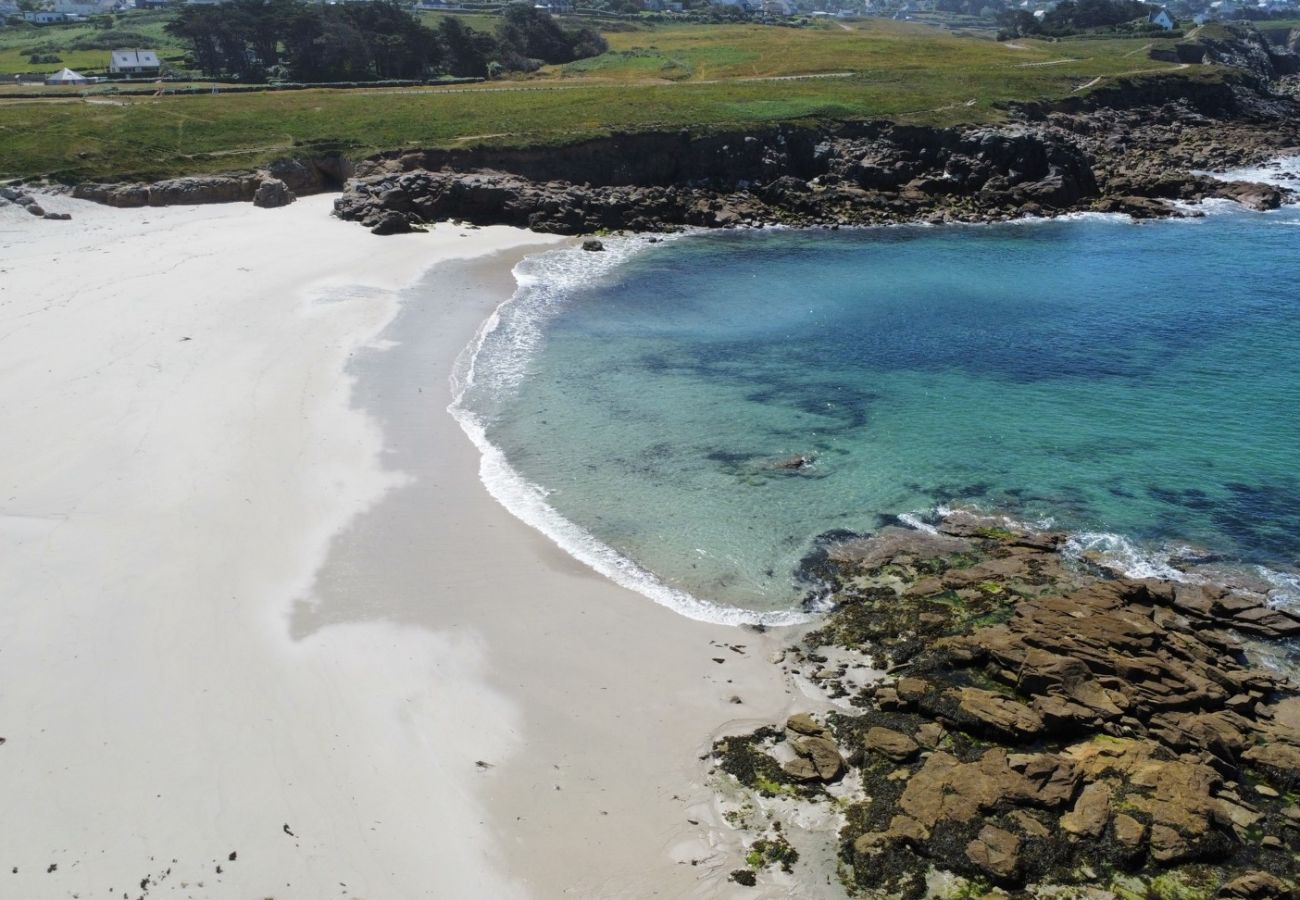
(526, 33)
(466, 52)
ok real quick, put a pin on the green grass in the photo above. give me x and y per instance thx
(697, 77)
(72, 42)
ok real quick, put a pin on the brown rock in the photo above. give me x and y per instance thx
(805, 724)
(1278, 759)
(893, 744)
(910, 690)
(995, 852)
(1167, 845)
(1028, 823)
(946, 790)
(818, 759)
(1129, 832)
(930, 735)
(908, 830)
(1050, 780)
(1091, 812)
(1255, 886)
(1001, 714)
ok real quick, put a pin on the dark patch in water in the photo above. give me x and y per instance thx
(1263, 519)
(728, 457)
(1188, 498)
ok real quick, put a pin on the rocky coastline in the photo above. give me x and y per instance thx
(1138, 145)
(1031, 723)
(1145, 160)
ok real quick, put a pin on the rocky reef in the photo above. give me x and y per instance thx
(1047, 726)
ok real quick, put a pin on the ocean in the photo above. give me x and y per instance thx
(690, 415)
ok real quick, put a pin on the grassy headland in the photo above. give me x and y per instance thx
(671, 76)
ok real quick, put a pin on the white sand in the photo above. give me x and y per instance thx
(179, 676)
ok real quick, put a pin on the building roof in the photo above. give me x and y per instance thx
(65, 76)
(135, 58)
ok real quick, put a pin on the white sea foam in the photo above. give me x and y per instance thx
(914, 521)
(1116, 552)
(1286, 588)
(1282, 172)
(544, 283)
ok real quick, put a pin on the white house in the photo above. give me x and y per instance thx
(67, 76)
(1162, 18)
(45, 17)
(134, 62)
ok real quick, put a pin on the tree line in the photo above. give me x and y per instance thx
(1073, 17)
(257, 40)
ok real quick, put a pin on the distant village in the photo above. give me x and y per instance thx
(54, 12)
(138, 63)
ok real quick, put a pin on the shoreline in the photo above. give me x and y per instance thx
(528, 502)
(235, 665)
(614, 698)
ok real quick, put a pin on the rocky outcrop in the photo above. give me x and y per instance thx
(173, 191)
(279, 184)
(1054, 724)
(1137, 158)
(271, 193)
(25, 200)
(862, 174)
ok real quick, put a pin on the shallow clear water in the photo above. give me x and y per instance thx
(1137, 380)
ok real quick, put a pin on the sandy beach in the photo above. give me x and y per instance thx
(263, 632)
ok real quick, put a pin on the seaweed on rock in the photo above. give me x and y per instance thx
(1049, 725)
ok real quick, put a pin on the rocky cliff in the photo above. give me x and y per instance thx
(1132, 146)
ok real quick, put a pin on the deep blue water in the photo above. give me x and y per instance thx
(1123, 381)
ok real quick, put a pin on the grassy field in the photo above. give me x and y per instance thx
(81, 46)
(687, 76)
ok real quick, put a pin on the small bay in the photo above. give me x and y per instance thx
(707, 406)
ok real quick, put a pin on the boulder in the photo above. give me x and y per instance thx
(1281, 761)
(995, 852)
(1251, 194)
(1168, 846)
(271, 193)
(1129, 832)
(803, 723)
(1255, 886)
(997, 713)
(592, 246)
(1091, 812)
(817, 759)
(893, 744)
(1049, 780)
(391, 223)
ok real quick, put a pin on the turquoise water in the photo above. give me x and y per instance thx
(1136, 384)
